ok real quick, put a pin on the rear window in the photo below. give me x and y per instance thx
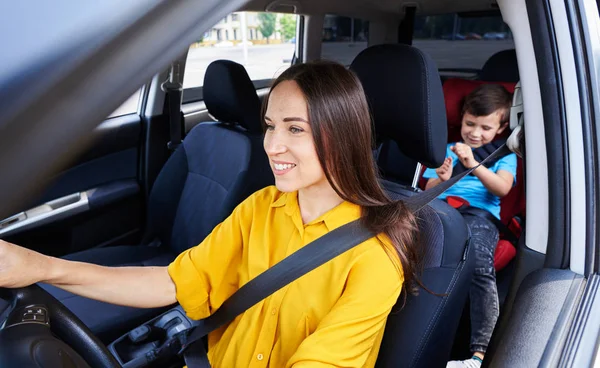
(461, 43)
(343, 38)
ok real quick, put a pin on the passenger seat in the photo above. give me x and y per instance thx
(217, 166)
(501, 67)
(404, 91)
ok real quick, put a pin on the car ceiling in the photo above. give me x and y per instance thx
(373, 8)
(71, 87)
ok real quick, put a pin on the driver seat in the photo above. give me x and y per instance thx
(215, 168)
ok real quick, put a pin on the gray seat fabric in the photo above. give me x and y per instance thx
(216, 167)
(404, 91)
(501, 67)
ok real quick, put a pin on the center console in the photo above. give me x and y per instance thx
(153, 344)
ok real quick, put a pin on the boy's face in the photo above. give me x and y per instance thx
(477, 131)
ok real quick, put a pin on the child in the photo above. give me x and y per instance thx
(485, 115)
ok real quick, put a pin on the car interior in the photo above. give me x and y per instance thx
(132, 194)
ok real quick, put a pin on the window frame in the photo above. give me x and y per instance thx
(453, 71)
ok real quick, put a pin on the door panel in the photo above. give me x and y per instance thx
(539, 319)
(96, 201)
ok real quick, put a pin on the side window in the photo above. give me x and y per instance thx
(130, 106)
(343, 38)
(461, 44)
(263, 42)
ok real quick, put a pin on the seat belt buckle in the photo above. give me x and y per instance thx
(515, 226)
(183, 340)
(172, 84)
(457, 202)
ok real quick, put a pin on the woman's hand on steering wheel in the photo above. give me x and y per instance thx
(20, 267)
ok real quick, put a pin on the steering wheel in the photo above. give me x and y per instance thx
(41, 332)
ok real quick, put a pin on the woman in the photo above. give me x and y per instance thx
(318, 139)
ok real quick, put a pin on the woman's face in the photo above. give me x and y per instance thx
(289, 142)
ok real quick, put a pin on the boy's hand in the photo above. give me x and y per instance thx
(444, 172)
(465, 155)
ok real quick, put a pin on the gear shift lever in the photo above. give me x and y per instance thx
(146, 333)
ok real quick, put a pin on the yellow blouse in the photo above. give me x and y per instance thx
(332, 316)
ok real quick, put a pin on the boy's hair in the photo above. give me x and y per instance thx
(486, 99)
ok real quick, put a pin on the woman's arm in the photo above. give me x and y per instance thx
(199, 279)
(142, 287)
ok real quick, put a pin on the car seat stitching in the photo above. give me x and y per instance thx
(210, 179)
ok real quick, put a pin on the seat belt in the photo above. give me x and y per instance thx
(406, 29)
(173, 89)
(302, 261)
(420, 200)
(296, 265)
(483, 152)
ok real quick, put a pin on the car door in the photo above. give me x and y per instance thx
(69, 198)
(551, 317)
(95, 200)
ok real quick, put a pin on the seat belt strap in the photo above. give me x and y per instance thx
(173, 90)
(294, 266)
(483, 152)
(420, 200)
(284, 272)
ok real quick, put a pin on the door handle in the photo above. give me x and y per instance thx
(52, 211)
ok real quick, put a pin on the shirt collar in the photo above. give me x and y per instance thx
(281, 201)
(340, 215)
(334, 218)
(288, 200)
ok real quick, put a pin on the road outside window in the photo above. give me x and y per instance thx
(263, 42)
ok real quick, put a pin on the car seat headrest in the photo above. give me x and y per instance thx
(230, 95)
(501, 67)
(404, 92)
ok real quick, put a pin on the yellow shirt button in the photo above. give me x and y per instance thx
(259, 357)
(274, 311)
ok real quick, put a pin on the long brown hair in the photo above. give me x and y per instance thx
(342, 131)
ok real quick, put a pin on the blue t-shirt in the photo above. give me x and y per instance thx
(472, 189)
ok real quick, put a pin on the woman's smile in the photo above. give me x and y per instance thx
(282, 168)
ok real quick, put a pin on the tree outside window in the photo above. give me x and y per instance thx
(287, 24)
(267, 24)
